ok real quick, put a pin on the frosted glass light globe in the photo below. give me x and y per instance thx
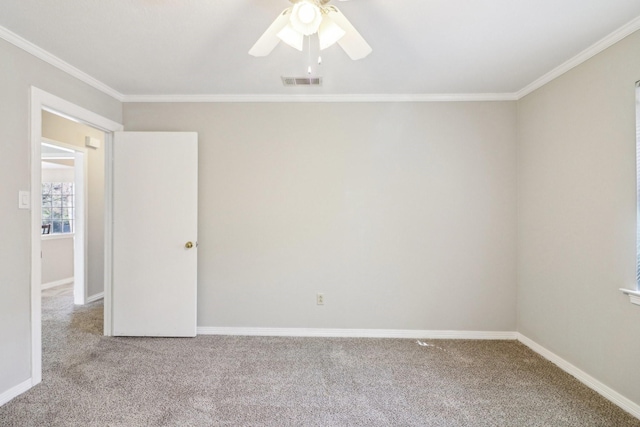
(306, 13)
(306, 17)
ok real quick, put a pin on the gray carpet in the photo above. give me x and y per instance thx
(91, 380)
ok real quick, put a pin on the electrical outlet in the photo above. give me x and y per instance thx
(320, 299)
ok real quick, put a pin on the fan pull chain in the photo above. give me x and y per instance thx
(310, 68)
(309, 55)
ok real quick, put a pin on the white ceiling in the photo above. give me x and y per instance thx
(189, 47)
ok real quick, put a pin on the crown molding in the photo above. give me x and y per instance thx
(619, 34)
(461, 97)
(51, 59)
(583, 56)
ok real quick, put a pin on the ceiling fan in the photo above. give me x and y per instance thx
(308, 17)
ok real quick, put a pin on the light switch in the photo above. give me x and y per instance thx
(24, 200)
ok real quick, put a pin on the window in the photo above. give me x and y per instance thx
(634, 295)
(58, 207)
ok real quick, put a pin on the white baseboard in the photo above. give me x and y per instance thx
(15, 391)
(95, 297)
(56, 283)
(357, 333)
(606, 391)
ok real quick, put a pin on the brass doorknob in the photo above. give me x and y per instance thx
(188, 245)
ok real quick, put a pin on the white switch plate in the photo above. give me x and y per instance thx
(24, 200)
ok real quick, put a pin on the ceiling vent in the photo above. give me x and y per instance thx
(302, 81)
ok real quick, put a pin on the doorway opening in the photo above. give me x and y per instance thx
(45, 106)
(64, 219)
(85, 219)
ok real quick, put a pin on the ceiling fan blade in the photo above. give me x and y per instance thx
(269, 40)
(329, 33)
(352, 42)
(291, 37)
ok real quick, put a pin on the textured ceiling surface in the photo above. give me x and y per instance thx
(184, 47)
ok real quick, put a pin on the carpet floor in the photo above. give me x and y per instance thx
(92, 380)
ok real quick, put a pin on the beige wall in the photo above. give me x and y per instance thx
(577, 217)
(18, 71)
(58, 175)
(57, 258)
(63, 130)
(403, 215)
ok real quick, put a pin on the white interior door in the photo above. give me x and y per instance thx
(155, 214)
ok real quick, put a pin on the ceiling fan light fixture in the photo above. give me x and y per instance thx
(306, 13)
(306, 17)
(291, 37)
(329, 33)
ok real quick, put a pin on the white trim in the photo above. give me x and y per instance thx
(59, 144)
(81, 241)
(108, 233)
(583, 56)
(586, 54)
(357, 333)
(36, 103)
(49, 58)
(634, 296)
(56, 283)
(95, 297)
(57, 236)
(453, 97)
(606, 391)
(15, 391)
(41, 100)
(71, 111)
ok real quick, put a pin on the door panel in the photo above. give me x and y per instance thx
(155, 208)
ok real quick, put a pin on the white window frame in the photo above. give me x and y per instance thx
(634, 295)
(72, 219)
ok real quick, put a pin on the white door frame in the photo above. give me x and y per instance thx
(81, 219)
(41, 100)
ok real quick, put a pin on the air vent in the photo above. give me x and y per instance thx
(302, 81)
